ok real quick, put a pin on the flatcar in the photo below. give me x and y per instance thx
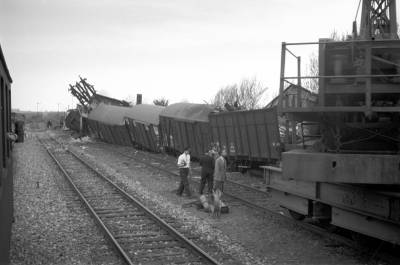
(6, 174)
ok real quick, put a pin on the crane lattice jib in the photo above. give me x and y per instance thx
(378, 19)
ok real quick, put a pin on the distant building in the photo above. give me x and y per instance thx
(290, 99)
(308, 98)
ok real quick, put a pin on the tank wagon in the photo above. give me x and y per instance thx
(6, 175)
(350, 176)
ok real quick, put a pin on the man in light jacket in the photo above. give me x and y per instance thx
(220, 171)
(184, 167)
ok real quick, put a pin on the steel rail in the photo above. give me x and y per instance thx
(90, 208)
(161, 222)
(176, 234)
(307, 226)
(250, 204)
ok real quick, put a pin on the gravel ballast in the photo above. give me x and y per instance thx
(250, 236)
(51, 225)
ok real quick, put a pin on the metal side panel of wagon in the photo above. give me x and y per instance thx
(186, 125)
(110, 123)
(251, 135)
(142, 122)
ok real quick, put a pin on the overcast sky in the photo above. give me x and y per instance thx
(177, 49)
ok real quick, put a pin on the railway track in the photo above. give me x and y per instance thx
(233, 191)
(246, 194)
(138, 235)
(252, 197)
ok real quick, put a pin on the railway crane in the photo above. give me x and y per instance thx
(349, 174)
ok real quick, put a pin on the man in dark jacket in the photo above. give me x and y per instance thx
(220, 171)
(207, 171)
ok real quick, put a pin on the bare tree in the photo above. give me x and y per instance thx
(313, 67)
(312, 70)
(161, 102)
(245, 95)
(336, 36)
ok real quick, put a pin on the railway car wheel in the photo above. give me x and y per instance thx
(297, 216)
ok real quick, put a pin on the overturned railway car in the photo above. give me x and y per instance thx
(142, 123)
(73, 120)
(186, 125)
(6, 174)
(128, 126)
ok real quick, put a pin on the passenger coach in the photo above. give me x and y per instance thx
(6, 176)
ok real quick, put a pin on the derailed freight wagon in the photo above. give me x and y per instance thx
(107, 123)
(186, 125)
(142, 123)
(129, 126)
(248, 136)
(72, 120)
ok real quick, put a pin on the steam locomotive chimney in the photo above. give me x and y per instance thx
(138, 99)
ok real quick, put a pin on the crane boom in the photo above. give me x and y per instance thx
(378, 20)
